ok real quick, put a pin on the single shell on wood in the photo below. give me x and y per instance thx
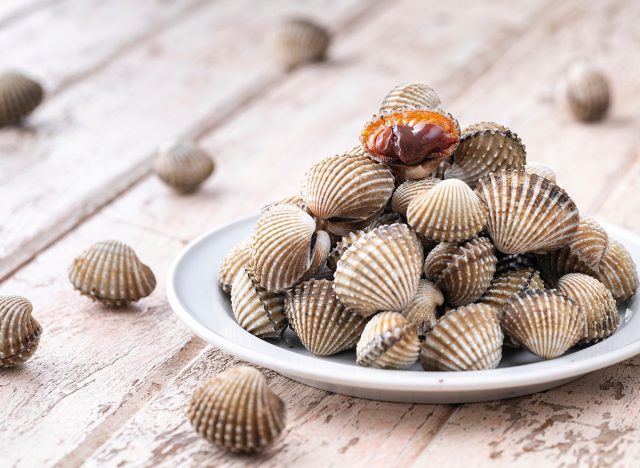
(590, 242)
(618, 271)
(486, 147)
(527, 213)
(19, 96)
(238, 258)
(323, 324)
(505, 285)
(408, 190)
(110, 272)
(19, 331)
(545, 322)
(587, 93)
(286, 247)
(347, 190)
(380, 271)
(541, 170)
(257, 310)
(184, 166)
(558, 263)
(467, 338)
(412, 141)
(515, 262)
(389, 341)
(410, 95)
(342, 246)
(595, 302)
(301, 41)
(422, 309)
(237, 411)
(462, 270)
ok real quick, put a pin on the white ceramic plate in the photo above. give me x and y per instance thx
(196, 298)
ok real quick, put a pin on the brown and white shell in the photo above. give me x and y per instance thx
(110, 272)
(385, 219)
(294, 200)
(408, 190)
(341, 247)
(19, 96)
(542, 170)
(422, 310)
(257, 310)
(184, 166)
(588, 93)
(236, 410)
(300, 41)
(380, 271)
(595, 302)
(389, 341)
(323, 324)
(464, 339)
(527, 213)
(410, 95)
(286, 247)
(486, 147)
(553, 265)
(618, 272)
(463, 271)
(238, 258)
(515, 262)
(505, 285)
(590, 242)
(19, 331)
(439, 171)
(545, 322)
(450, 211)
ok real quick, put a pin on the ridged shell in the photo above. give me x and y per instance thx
(384, 219)
(294, 200)
(408, 190)
(238, 258)
(595, 302)
(301, 41)
(347, 190)
(323, 324)
(515, 262)
(527, 213)
(342, 246)
(587, 92)
(110, 272)
(380, 271)
(467, 338)
(545, 322)
(618, 271)
(541, 170)
(389, 341)
(463, 271)
(438, 172)
(409, 95)
(558, 263)
(505, 285)
(286, 247)
(257, 310)
(590, 242)
(422, 310)
(184, 166)
(357, 150)
(19, 96)
(450, 211)
(236, 410)
(19, 331)
(486, 147)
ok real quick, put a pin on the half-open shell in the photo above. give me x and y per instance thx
(389, 341)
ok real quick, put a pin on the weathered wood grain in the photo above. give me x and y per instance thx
(15, 10)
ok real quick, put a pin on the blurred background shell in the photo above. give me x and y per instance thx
(408, 190)
(423, 308)
(410, 95)
(238, 258)
(183, 166)
(588, 93)
(19, 331)
(301, 40)
(19, 96)
(389, 341)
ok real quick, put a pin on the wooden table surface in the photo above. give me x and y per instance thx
(110, 387)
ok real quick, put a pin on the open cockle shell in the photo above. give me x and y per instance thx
(422, 310)
(19, 331)
(323, 324)
(590, 242)
(19, 96)
(618, 272)
(554, 265)
(527, 213)
(380, 271)
(237, 411)
(238, 258)
(541, 170)
(466, 338)
(508, 283)
(545, 322)
(110, 272)
(301, 41)
(184, 166)
(408, 190)
(410, 95)
(389, 341)
(587, 92)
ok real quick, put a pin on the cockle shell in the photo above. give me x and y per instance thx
(486, 147)
(384, 219)
(341, 247)
(541, 170)
(184, 166)
(587, 92)
(590, 242)
(422, 310)
(545, 322)
(347, 191)
(236, 410)
(301, 41)
(110, 272)
(464, 339)
(515, 262)
(19, 331)
(462, 270)
(450, 211)
(323, 324)
(294, 200)
(286, 247)
(19, 96)
(380, 271)
(505, 285)
(408, 190)
(618, 272)
(438, 172)
(410, 95)
(357, 150)
(257, 310)
(527, 213)
(558, 263)
(389, 341)
(238, 258)
(595, 302)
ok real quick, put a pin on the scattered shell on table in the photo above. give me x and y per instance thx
(408, 190)
(486, 147)
(301, 41)
(587, 93)
(19, 331)
(410, 95)
(527, 213)
(237, 410)
(341, 247)
(389, 341)
(462, 270)
(184, 166)
(466, 338)
(515, 262)
(450, 211)
(541, 170)
(238, 258)
(110, 272)
(590, 242)
(505, 285)
(595, 302)
(257, 310)
(422, 310)
(545, 322)
(558, 263)
(323, 324)
(286, 247)
(19, 96)
(380, 271)
(618, 271)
